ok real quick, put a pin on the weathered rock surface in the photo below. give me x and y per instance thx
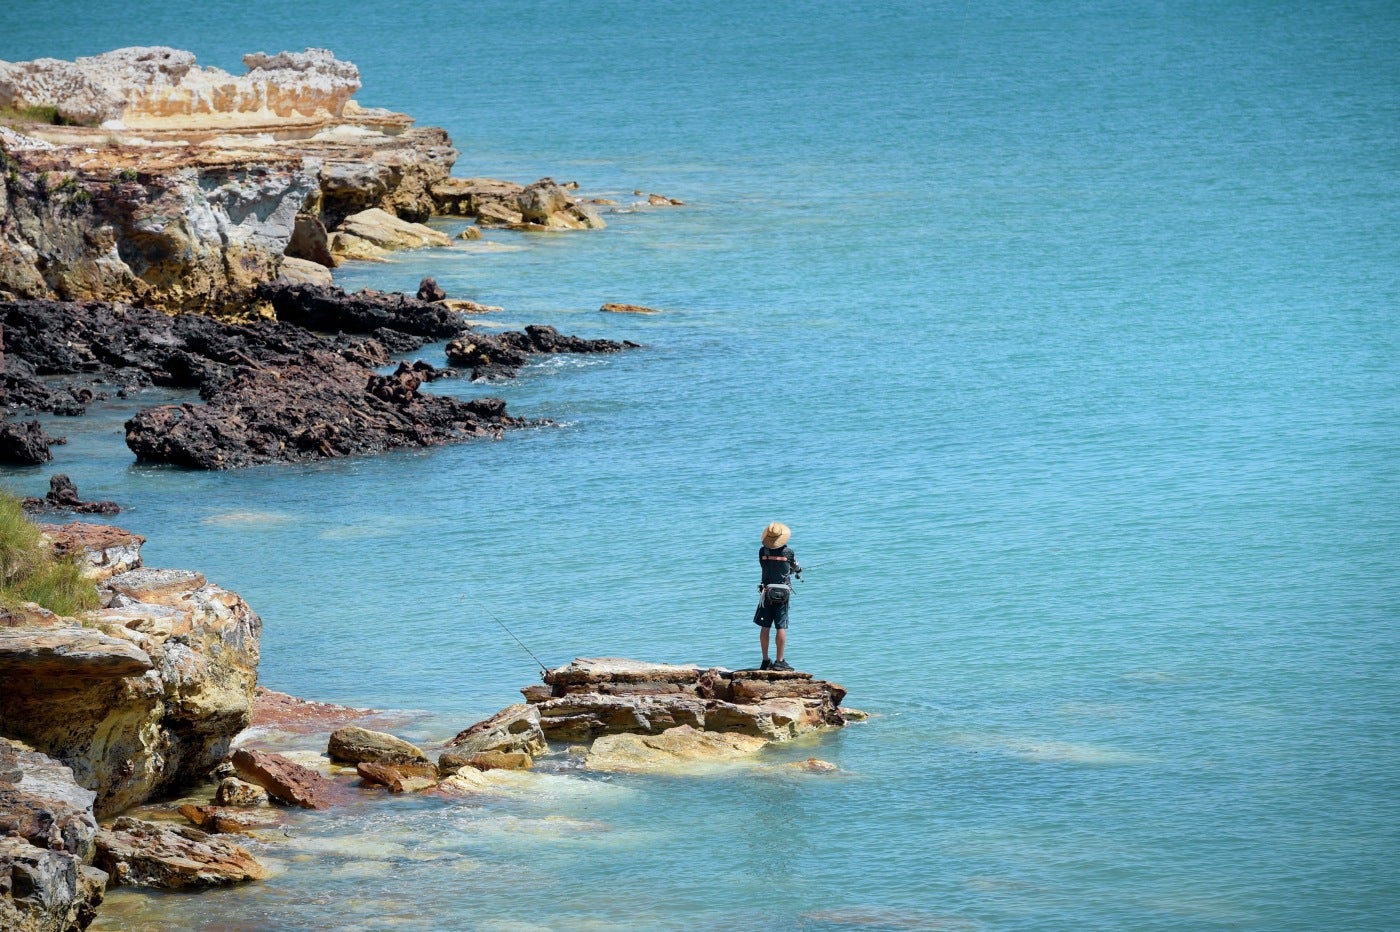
(272, 709)
(170, 857)
(595, 697)
(304, 272)
(516, 728)
(287, 781)
(353, 745)
(47, 833)
(63, 496)
(148, 696)
(104, 550)
(501, 355)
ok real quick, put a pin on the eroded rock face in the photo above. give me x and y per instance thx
(47, 833)
(543, 205)
(171, 857)
(147, 696)
(674, 750)
(162, 87)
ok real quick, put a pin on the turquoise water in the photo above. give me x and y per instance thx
(1065, 340)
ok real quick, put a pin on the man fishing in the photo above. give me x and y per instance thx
(779, 565)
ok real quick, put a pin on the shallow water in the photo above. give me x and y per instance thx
(1065, 341)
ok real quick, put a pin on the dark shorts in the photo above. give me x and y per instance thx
(772, 616)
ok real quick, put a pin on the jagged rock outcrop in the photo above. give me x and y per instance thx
(24, 443)
(148, 695)
(501, 355)
(47, 833)
(515, 729)
(543, 205)
(318, 406)
(368, 312)
(373, 233)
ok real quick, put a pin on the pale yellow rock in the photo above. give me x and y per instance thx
(470, 233)
(388, 232)
(344, 246)
(305, 272)
(676, 750)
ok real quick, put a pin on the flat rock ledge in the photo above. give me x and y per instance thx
(172, 857)
(641, 716)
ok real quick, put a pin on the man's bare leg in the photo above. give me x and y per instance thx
(763, 642)
(782, 642)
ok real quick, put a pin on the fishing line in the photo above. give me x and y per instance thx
(492, 615)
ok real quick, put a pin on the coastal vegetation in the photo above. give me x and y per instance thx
(31, 571)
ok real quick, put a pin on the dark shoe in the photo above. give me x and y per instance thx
(781, 665)
(766, 665)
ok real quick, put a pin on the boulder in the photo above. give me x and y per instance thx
(310, 241)
(63, 496)
(399, 778)
(304, 272)
(286, 781)
(168, 857)
(611, 308)
(233, 792)
(493, 213)
(501, 760)
(812, 765)
(516, 728)
(24, 443)
(539, 201)
(430, 290)
(677, 750)
(470, 233)
(388, 232)
(467, 196)
(231, 820)
(353, 744)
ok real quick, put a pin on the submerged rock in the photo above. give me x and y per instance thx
(169, 857)
(399, 778)
(501, 760)
(233, 792)
(611, 308)
(676, 749)
(230, 819)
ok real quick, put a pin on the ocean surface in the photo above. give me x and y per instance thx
(1065, 338)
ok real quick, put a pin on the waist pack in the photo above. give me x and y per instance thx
(776, 594)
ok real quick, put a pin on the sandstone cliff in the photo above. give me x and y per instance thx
(198, 185)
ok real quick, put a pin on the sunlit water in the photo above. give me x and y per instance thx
(1065, 341)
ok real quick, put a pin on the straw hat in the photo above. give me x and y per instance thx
(776, 535)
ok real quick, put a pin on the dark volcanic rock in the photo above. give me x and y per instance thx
(430, 290)
(318, 406)
(329, 308)
(63, 496)
(24, 443)
(501, 355)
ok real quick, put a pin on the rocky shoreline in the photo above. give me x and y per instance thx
(167, 225)
(147, 695)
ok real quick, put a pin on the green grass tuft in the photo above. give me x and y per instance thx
(31, 572)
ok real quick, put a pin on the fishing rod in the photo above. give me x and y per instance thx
(492, 615)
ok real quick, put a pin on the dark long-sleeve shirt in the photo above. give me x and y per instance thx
(778, 564)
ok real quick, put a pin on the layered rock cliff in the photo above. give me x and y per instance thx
(198, 186)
